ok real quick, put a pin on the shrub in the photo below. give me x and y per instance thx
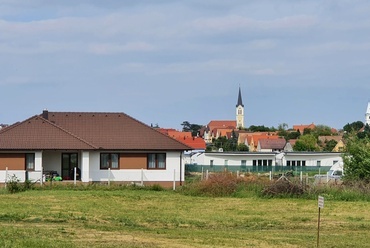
(14, 185)
(221, 184)
(284, 187)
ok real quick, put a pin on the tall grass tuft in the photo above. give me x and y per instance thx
(222, 184)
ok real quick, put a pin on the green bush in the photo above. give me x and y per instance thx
(14, 185)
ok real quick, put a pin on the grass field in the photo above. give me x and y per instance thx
(140, 218)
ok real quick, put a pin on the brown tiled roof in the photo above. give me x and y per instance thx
(38, 133)
(272, 143)
(82, 130)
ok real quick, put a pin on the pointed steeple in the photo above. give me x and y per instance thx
(240, 101)
(367, 114)
(240, 111)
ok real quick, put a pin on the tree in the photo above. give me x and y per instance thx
(193, 128)
(225, 143)
(307, 142)
(365, 133)
(322, 130)
(242, 147)
(356, 159)
(261, 129)
(353, 127)
(329, 146)
(293, 135)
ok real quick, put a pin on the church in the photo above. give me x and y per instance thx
(219, 128)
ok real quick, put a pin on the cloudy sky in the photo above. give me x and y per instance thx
(167, 61)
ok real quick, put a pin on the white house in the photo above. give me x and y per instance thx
(101, 146)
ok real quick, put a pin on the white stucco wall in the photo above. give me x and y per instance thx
(233, 159)
(311, 158)
(134, 175)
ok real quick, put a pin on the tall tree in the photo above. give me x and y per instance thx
(356, 159)
(189, 127)
(307, 142)
(329, 146)
(353, 127)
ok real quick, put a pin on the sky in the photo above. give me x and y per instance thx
(168, 61)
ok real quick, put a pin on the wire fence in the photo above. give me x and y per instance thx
(257, 169)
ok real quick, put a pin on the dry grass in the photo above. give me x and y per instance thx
(131, 218)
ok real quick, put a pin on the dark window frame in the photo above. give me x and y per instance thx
(156, 161)
(109, 161)
(26, 161)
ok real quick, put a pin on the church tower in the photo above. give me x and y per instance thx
(240, 111)
(367, 115)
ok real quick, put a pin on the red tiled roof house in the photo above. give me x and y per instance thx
(103, 146)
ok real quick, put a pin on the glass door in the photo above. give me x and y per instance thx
(69, 162)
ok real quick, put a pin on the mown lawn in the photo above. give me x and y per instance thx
(138, 218)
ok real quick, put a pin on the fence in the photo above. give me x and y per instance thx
(257, 169)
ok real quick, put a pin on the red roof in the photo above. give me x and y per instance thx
(301, 128)
(196, 143)
(222, 124)
(85, 131)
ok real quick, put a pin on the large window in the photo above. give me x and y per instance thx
(156, 161)
(262, 162)
(109, 160)
(30, 161)
(296, 163)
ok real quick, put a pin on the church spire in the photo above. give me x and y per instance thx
(240, 101)
(240, 111)
(367, 114)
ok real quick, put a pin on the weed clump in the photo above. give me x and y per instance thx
(219, 185)
(14, 185)
(284, 187)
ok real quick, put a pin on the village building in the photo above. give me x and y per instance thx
(101, 146)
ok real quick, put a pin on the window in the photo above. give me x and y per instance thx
(254, 162)
(226, 162)
(335, 161)
(156, 161)
(211, 163)
(30, 161)
(243, 163)
(318, 164)
(109, 160)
